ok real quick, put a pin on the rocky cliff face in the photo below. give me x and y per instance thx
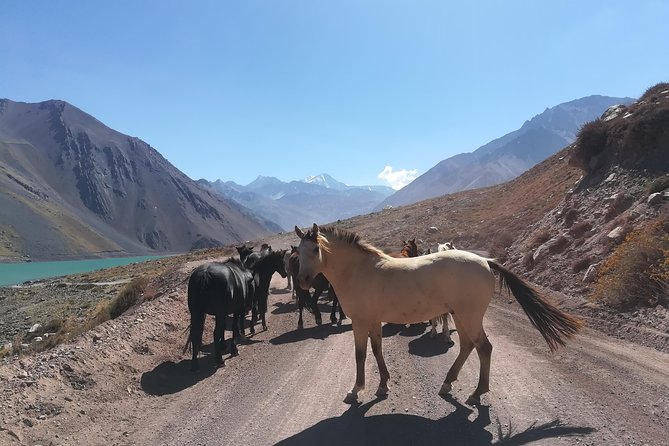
(108, 191)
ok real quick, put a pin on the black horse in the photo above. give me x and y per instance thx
(306, 299)
(263, 268)
(218, 289)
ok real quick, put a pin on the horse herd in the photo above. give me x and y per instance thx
(372, 287)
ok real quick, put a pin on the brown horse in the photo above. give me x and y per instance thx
(374, 288)
(409, 249)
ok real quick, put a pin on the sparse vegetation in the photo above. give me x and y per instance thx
(658, 185)
(539, 238)
(128, 297)
(637, 272)
(590, 142)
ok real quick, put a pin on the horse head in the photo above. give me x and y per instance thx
(309, 252)
(244, 251)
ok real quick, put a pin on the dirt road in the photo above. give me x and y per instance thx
(286, 387)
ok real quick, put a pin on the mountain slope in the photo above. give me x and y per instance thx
(508, 156)
(73, 187)
(319, 198)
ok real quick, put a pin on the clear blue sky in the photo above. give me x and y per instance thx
(237, 89)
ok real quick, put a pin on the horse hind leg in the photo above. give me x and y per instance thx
(196, 329)
(466, 347)
(484, 351)
(445, 330)
(434, 322)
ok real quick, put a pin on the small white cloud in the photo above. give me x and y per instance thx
(397, 179)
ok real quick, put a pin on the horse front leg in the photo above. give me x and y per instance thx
(360, 335)
(300, 322)
(466, 347)
(375, 338)
(317, 311)
(254, 318)
(234, 337)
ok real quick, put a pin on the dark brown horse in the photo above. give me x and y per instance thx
(306, 300)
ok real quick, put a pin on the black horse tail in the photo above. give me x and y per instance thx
(196, 285)
(553, 324)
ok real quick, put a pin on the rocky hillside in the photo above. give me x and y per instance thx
(72, 187)
(507, 157)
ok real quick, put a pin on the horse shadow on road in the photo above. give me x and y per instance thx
(316, 332)
(353, 428)
(403, 330)
(172, 377)
(426, 346)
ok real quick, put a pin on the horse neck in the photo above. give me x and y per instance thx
(343, 259)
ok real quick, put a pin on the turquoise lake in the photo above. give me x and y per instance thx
(16, 273)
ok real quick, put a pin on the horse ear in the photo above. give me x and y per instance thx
(314, 229)
(299, 232)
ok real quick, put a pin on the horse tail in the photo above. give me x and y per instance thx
(196, 287)
(553, 324)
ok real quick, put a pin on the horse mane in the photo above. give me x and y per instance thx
(346, 236)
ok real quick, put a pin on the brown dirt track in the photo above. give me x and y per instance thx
(127, 382)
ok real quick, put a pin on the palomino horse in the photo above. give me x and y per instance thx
(374, 288)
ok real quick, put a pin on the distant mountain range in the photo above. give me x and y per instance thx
(72, 187)
(508, 156)
(320, 199)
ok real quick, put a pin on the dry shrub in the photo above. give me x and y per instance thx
(637, 272)
(559, 245)
(128, 297)
(590, 142)
(539, 238)
(581, 264)
(579, 229)
(500, 242)
(658, 185)
(570, 217)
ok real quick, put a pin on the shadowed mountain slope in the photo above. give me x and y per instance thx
(73, 187)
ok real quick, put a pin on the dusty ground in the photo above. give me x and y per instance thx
(127, 382)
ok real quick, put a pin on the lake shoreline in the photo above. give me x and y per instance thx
(17, 273)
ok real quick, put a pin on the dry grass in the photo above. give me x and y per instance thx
(637, 272)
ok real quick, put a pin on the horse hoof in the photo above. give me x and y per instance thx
(300, 326)
(445, 388)
(339, 323)
(473, 400)
(264, 327)
(351, 398)
(382, 391)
